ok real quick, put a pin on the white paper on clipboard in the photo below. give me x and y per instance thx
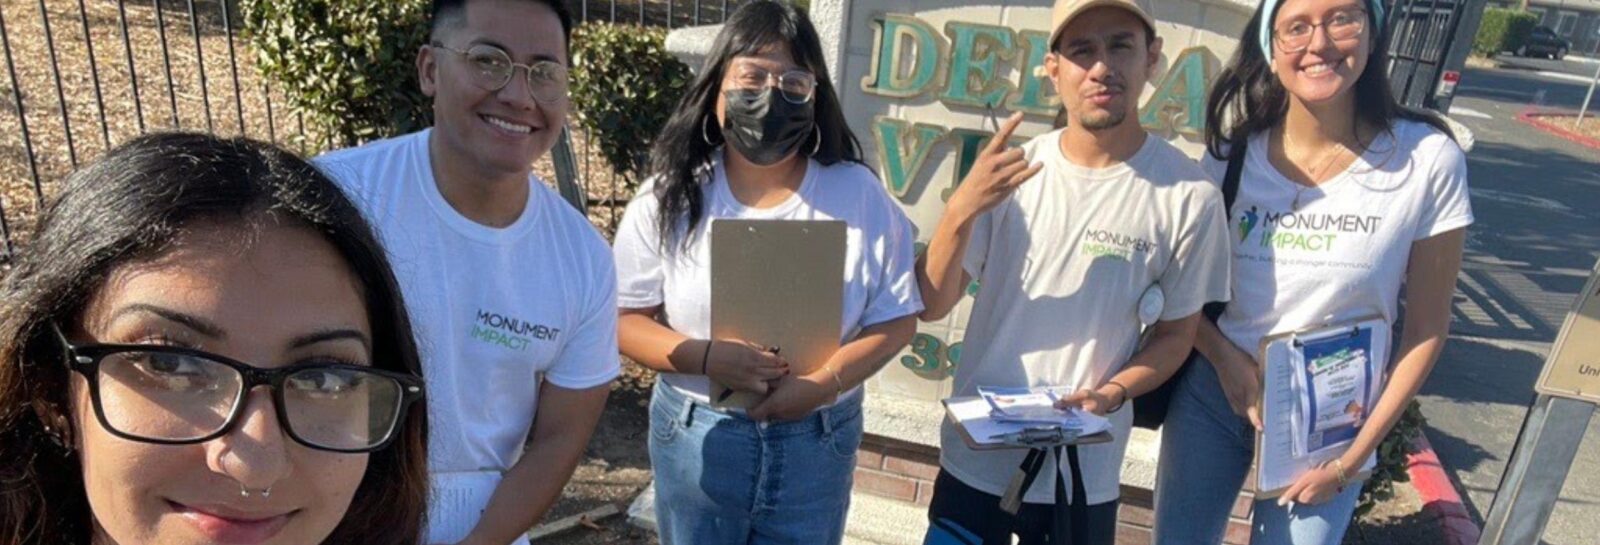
(1301, 369)
(981, 430)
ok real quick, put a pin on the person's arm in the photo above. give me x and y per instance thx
(1430, 282)
(1167, 347)
(1236, 369)
(797, 395)
(561, 430)
(656, 346)
(995, 175)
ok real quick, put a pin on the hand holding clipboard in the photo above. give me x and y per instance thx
(750, 368)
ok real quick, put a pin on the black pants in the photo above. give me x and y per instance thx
(978, 513)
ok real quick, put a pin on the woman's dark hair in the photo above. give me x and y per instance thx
(131, 206)
(1247, 97)
(681, 153)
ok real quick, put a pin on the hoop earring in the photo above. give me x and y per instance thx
(705, 131)
(818, 145)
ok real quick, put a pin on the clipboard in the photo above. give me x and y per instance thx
(1272, 481)
(966, 436)
(777, 283)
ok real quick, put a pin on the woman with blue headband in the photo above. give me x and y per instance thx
(1343, 196)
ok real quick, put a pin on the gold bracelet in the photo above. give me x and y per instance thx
(1338, 469)
(838, 382)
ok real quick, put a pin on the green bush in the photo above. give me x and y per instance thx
(1502, 30)
(1392, 460)
(347, 65)
(624, 87)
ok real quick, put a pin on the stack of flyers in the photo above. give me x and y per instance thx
(1033, 406)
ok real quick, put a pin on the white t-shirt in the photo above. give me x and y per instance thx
(1342, 254)
(497, 311)
(880, 283)
(1061, 265)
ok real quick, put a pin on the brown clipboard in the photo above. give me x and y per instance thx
(777, 283)
(966, 437)
(1261, 400)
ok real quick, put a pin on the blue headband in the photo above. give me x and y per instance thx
(1269, 10)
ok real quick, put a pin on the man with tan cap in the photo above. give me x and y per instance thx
(1065, 235)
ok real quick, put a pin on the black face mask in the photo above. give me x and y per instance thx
(765, 127)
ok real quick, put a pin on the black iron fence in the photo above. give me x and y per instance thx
(84, 75)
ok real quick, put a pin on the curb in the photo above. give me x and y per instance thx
(1439, 495)
(1532, 118)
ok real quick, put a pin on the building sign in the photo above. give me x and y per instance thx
(1573, 368)
(959, 69)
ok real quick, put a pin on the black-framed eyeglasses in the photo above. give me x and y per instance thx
(1345, 24)
(796, 86)
(177, 396)
(493, 67)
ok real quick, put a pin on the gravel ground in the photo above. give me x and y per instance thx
(615, 469)
(1590, 126)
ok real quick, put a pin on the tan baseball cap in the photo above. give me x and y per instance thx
(1065, 10)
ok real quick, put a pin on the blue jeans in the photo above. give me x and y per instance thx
(723, 479)
(1206, 451)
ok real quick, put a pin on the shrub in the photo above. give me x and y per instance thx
(1392, 459)
(347, 65)
(624, 87)
(1502, 30)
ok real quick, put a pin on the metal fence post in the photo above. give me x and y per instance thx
(94, 73)
(1587, 98)
(566, 163)
(1539, 464)
(61, 95)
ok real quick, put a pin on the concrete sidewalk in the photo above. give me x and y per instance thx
(876, 520)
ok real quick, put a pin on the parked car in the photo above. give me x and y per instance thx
(1544, 42)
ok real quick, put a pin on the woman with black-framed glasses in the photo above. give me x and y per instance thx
(177, 396)
(203, 343)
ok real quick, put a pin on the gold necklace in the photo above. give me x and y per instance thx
(1315, 175)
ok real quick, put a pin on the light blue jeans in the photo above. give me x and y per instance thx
(723, 479)
(1206, 451)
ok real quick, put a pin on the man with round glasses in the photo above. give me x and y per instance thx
(513, 292)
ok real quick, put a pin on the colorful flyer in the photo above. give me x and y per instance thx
(1318, 387)
(1334, 384)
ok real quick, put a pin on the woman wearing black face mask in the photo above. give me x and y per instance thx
(759, 136)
